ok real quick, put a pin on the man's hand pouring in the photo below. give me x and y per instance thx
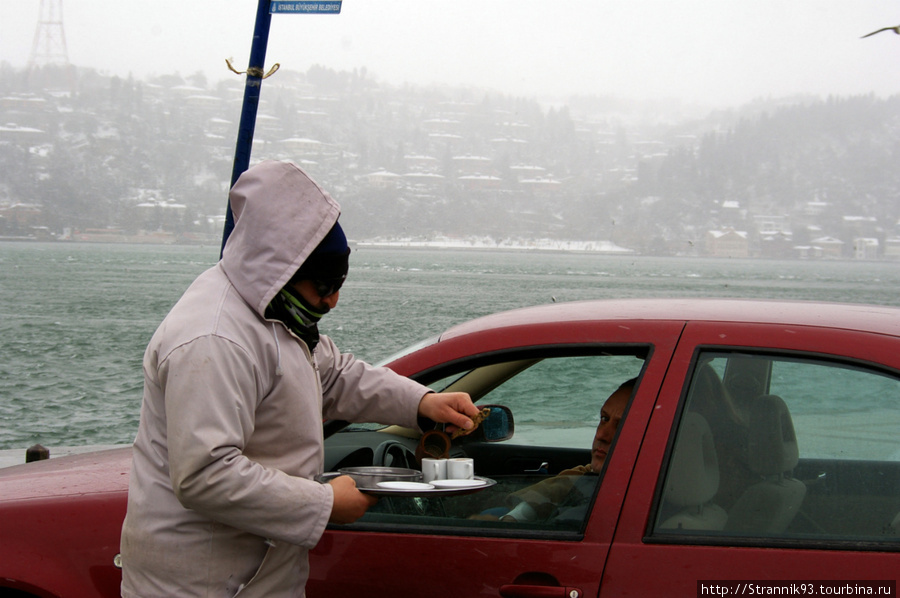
(454, 408)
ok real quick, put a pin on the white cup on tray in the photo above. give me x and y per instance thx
(461, 468)
(434, 469)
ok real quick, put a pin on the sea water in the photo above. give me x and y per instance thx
(75, 318)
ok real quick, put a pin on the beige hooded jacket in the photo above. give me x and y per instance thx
(221, 498)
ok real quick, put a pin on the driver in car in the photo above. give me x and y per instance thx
(548, 497)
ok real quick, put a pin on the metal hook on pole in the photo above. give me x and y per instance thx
(253, 71)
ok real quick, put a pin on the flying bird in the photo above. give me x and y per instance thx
(894, 29)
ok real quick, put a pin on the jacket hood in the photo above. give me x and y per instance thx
(280, 216)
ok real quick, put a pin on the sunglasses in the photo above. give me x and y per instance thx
(329, 286)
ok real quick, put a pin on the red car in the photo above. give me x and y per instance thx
(758, 454)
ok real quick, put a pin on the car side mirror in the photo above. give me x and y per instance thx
(498, 425)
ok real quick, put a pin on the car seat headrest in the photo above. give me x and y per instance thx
(694, 475)
(772, 444)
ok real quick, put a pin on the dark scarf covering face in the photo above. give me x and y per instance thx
(297, 314)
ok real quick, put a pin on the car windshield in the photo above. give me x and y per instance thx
(410, 349)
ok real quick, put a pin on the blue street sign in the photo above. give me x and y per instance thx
(331, 7)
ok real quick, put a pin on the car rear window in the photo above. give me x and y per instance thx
(784, 449)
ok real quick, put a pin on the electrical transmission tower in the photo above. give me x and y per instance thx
(49, 45)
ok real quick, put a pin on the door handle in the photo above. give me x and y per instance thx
(543, 468)
(523, 591)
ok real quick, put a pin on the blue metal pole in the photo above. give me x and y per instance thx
(251, 103)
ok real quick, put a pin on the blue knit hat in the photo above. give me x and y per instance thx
(334, 242)
(329, 260)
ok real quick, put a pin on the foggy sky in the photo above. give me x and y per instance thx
(716, 52)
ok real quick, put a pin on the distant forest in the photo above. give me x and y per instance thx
(416, 162)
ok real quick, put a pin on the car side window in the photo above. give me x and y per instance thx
(784, 447)
(543, 476)
(557, 401)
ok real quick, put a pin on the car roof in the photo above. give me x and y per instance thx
(868, 318)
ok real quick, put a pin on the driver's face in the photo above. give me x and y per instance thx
(610, 416)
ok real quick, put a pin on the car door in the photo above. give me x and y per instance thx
(808, 490)
(451, 548)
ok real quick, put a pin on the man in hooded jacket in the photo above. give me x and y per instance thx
(237, 381)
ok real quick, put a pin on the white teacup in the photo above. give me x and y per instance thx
(461, 468)
(434, 469)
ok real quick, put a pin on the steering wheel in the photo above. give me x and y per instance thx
(394, 454)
